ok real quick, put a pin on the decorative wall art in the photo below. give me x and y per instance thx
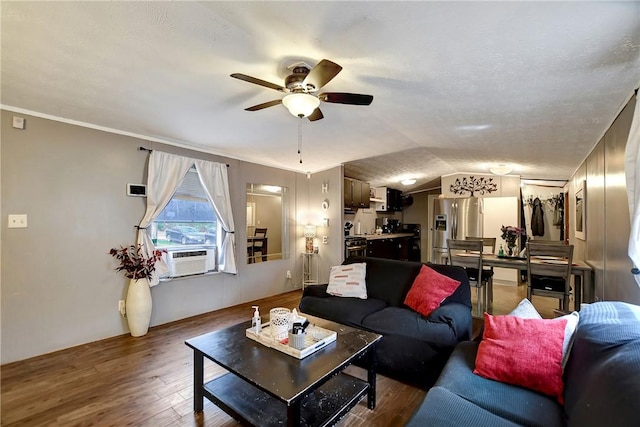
(473, 186)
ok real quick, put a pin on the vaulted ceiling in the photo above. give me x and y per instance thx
(458, 86)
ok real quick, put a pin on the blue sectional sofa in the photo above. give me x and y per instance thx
(601, 382)
(414, 348)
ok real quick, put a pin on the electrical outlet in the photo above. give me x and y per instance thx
(325, 239)
(17, 221)
(288, 274)
(122, 308)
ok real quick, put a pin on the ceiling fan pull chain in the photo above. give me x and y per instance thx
(300, 139)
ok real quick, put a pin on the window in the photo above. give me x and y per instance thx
(188, 222)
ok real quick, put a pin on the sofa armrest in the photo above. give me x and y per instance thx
(315, 291)
(457, 316)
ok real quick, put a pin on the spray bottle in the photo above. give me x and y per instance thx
(256, 322)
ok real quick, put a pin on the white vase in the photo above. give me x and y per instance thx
(138, 307)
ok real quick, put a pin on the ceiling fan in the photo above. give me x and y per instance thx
(301, 86)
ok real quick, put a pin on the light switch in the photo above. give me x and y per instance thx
(18, 122)
(18, 221)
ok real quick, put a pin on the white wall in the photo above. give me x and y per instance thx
(59, 287)
(330, 253)
(499, 211)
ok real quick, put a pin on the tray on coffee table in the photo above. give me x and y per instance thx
(316, 339)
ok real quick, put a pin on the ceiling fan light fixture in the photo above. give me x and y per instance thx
(408, 181)
(500, 170)
(300, 104)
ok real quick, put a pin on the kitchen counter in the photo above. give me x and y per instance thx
(384, 236)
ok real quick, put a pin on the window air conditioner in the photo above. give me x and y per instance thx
(187, 262)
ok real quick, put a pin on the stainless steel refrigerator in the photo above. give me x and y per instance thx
(454, 219)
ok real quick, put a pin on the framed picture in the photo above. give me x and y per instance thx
(581, 211)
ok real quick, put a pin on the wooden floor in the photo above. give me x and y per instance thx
(147, 381)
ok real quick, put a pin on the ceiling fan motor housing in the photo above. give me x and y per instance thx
(293, 81)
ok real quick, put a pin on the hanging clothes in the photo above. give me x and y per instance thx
(537, 218)
(557, 214)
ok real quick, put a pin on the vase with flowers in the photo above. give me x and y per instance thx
(510, 235)
(138, 267)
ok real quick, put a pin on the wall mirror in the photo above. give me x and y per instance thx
(267, 231)
(580, 227)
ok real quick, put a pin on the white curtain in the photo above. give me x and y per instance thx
(214, 179)
(632, 172)
(166, 172)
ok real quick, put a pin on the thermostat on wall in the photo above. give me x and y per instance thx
(137, 190)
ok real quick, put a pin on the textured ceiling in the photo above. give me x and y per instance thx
(458, 86)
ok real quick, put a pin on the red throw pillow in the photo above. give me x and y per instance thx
(429, 289)
(523, 352)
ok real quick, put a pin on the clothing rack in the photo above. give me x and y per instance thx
(555, 200)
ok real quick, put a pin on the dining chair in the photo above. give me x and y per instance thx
(258, 245)
(488, 246)
(549, 271)
(468, 254)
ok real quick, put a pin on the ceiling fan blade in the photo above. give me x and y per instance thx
(321, 74)
(316, 115)
(258, 82)
(264, 105)
(346, 98)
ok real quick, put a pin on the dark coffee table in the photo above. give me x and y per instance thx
(266, 387)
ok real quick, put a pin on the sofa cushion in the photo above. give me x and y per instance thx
(603, 372)
(443, 408)
(388, 280)
(410, 324)
(515, 404)
(413, 348)
(348, 280)
(429, 290)
(524, 352)
(348, 311)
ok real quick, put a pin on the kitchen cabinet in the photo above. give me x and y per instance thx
(390, 248)
(403, 248)
(381, 248)
(392, 199)
(356, 194)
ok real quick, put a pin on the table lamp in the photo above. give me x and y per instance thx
(309, 234)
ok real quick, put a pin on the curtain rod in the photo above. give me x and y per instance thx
(150, 150)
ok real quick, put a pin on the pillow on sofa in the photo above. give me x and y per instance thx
(523, 352)
(348, 281)
(429, 289)
(526, 310)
